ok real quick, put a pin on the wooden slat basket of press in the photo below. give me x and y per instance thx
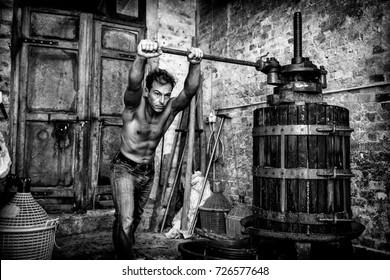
(301, 167)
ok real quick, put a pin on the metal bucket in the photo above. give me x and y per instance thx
(231, 250)
(217, 250)
(194, 250)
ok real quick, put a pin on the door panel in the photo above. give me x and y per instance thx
(119, 39)
(113, 84)
(52, 80)
(64, 27)
(115, 49)
(50, 157)
(53, 127)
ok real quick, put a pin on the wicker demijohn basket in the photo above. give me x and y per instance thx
(213, 212)
(26, 232)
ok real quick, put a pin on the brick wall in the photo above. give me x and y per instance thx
(351, 39)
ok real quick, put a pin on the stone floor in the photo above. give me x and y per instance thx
(155, 246)
(98, 246)
(88, 237)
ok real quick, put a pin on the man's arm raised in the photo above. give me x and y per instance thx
(191, 83)
(145, 49)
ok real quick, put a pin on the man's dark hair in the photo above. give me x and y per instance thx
(161, 76)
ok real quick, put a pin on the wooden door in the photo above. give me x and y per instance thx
(73, 73)
(53, 127)
(114, 51)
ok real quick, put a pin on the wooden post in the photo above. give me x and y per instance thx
(202, 135)
(172, 193)
(158, 206)
(181, 149)
(190, 155)
(187, 184)
(156, 219)
(171, 157)
(199, 103)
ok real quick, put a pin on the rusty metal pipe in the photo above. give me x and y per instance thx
(211, 57)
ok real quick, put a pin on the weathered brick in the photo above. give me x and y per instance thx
(370, 116)
(372, 137)
(381, 196)
(386, 106)
(377, 78)
(382, 97)
(377, 50)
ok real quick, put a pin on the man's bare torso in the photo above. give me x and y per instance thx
(149, 110)
(140, 135)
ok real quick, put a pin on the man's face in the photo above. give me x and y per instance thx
(158, 96)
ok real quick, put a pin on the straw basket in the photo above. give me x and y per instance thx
(26, 232)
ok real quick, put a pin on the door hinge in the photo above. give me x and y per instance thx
(40, 42)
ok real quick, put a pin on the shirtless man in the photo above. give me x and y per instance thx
(148, 113)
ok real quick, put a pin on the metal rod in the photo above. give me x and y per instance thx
(211, 57)
(357, 88)
(240, 106)
(297, 37)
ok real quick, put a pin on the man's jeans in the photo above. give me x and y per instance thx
(131, 185)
